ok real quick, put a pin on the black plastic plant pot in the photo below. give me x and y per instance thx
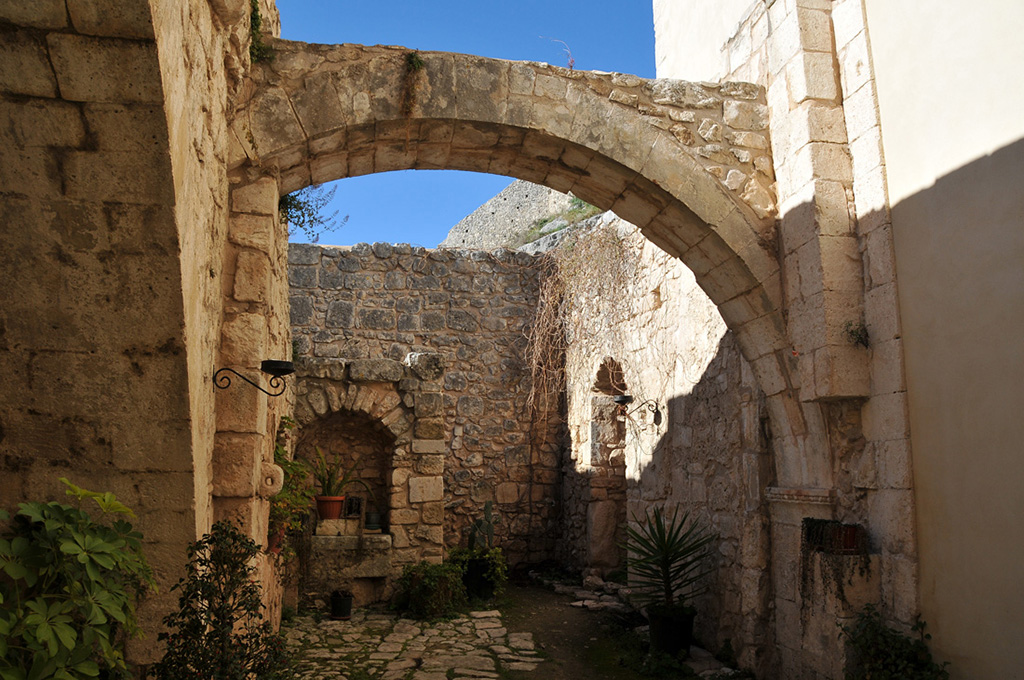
(341, 605)
(671, 629)
(478, 585)
(372, 520)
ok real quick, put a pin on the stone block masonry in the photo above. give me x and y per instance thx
(704, 452)
(401, 303)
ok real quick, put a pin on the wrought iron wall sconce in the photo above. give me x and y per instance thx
(275, 369)
(651, 405)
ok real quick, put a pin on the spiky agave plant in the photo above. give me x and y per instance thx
(667, 558)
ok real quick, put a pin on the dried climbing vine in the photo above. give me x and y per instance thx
(582, 286)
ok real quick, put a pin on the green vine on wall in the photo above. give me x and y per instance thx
(413, 64)
(258, 50)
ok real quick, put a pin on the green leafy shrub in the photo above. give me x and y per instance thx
(492, 567)
(430, 591)
(877, 652)
(218, 632)
(67, 598)
(291, 505)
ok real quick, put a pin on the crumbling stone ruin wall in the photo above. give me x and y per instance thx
(704, 451)
(383, 301)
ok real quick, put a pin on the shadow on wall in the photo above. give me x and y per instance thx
(708, 455)
(960, 264)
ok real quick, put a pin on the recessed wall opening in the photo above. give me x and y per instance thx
(364, 448)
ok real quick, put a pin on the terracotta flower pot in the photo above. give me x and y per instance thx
(330, 507)
(274, 539)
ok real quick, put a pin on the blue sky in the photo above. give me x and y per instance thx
(420, 206)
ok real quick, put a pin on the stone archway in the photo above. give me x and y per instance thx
(688, 163)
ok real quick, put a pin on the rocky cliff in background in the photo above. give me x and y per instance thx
(505, 220)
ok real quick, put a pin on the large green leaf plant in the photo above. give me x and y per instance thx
(69, 588)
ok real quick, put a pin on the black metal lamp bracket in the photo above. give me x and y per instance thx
(275, 369)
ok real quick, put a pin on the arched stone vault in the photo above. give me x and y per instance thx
(688, 163)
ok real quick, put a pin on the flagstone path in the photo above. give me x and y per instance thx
(381, 645)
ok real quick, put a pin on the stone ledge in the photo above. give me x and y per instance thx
(331, 369)
(366, 543)
(813, 496)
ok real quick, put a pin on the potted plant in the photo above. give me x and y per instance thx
(333, 479)
(484, 571)
(667, 562)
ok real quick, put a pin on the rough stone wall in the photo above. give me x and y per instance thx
(385, 301)
(109, 336)
(704, 452)
(362, 445)
(254, 327)
(501, 221)
(826, 146)
(113, 165)
(400, 405)
(594, 511)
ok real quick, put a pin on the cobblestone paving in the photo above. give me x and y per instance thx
(381, 645)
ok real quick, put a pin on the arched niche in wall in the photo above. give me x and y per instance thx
(363, 447)
(606, 472)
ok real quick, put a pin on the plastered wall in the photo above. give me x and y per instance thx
(957, 217)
